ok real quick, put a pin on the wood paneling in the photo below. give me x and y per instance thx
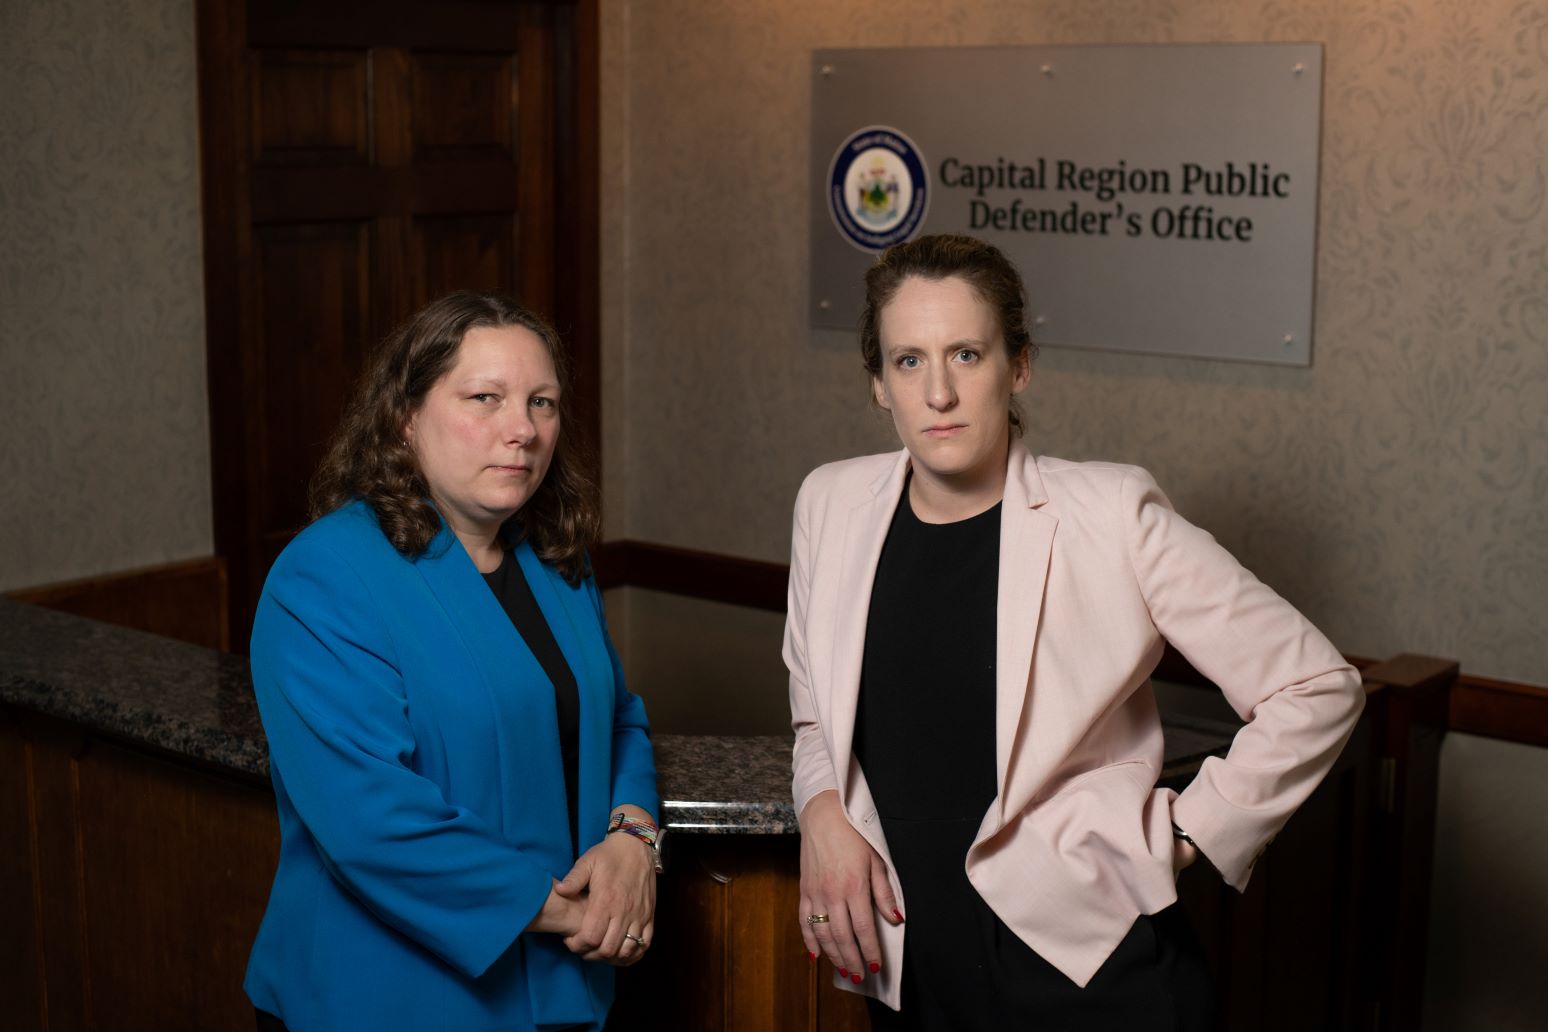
(21, 971)
(475, 25)
(1499, 709)
(310, 106)
(1409, 697)
(464, 106)
(471, 252)
(184, 600)
(1287, 953)
(160, 844)
(728, 953)
(147, 880)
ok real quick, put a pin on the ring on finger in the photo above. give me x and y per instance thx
(637, 939)
(814, 919)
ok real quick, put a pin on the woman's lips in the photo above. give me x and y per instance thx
(513, 470)
(945, 430)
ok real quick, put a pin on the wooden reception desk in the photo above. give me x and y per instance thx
(141, 839)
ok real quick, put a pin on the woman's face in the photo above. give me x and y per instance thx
(486, 431)
(946, 378)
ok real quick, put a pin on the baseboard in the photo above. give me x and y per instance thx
(183, 600)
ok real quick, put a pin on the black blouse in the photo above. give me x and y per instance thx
(924, 726)
(515, 595)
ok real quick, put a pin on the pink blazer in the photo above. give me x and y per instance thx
(1095, 570)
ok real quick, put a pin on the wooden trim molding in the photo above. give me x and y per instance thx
(184, 600)
(683, 571)
(1499, 709)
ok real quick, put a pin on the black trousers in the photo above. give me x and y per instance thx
(963, 969)
(269, 1023)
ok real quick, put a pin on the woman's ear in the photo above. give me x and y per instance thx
(879, 391)
(1021, 371)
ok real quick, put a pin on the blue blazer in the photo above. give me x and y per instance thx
(414, 751)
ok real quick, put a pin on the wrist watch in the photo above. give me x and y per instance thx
(645, 831)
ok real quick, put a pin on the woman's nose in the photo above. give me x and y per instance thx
(941, 392)
(519, 428)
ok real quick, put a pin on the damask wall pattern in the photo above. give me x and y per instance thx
(104, 441)
(1397, 490)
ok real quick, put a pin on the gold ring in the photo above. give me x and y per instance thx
(817, 919)
(635, 938)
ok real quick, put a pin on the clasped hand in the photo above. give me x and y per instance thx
(609, 895)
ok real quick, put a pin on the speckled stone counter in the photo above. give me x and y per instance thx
(198, 703)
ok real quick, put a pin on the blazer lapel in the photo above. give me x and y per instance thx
(864, 536)
(593, 677)
(501, 657)
(1026, 543)
(476, 614)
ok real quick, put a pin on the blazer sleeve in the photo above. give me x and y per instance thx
(1299, 697)
(811, 761)
(634, 763)
(335, 711)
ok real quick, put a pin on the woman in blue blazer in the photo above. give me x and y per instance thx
(451, 743)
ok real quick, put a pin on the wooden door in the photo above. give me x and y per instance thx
(359, 159)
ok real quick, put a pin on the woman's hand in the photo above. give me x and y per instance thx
(558, 915)
(614, 882)
(844, 878)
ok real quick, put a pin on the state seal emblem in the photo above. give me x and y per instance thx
(877, 188)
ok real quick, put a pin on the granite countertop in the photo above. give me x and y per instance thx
(199, 703)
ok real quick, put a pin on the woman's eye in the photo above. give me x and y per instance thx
(967, 355)
(909, 362)
(542, 402)
(482, 398)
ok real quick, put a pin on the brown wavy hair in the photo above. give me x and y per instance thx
(369, 459)
(982, 265)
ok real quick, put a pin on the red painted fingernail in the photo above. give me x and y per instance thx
(855, 979)
(809, 953)
(897, 914)
(875, 967)
(843, 973)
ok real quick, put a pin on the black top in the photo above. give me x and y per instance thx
(511, 588)
(924, 726)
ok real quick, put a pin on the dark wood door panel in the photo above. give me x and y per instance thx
(463, 25)
(291, 194)
(315, 300)
(310, 107)
(464, 106)
(470, 252)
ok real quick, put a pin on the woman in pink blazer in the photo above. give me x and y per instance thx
(970, 635)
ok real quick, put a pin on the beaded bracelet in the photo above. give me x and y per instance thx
(643, 830)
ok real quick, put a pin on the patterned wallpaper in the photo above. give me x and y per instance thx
(1397, 491)
(104, 452)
